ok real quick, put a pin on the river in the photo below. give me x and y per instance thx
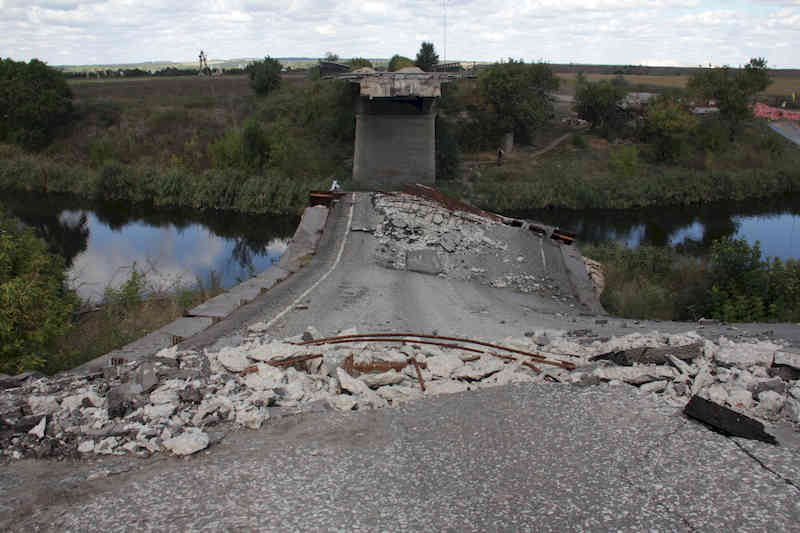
(775, 223)
(102, 241)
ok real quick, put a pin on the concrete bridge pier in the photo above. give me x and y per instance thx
(395, 127)
(395, 142)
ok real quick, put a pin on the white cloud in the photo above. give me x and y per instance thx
(591, 31)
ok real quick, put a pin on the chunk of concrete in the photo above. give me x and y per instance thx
(654, 386)
(38, 430)
(267, 377)
(359, 388)
(392, 377)
(399, 393)
(343, 402)
(444, 365)
(740, 398)
(424, 261)
(43, 405)
(123, 399)
(477, 370)
(164, 395)
(106, 446)
(757, 386)
(787, 358)
(147, 377)
(233, 359)
(450, 240)
(770, 402)
(192, 440)
(746, 355)
(252, 418)
(716, 393)
(726, 421)
(636, 375)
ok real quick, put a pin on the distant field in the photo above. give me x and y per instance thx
(781, 86)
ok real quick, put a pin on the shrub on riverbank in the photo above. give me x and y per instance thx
(126, 313)
(732, 283)
(35, 304)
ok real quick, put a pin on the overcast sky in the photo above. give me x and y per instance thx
(654, 32)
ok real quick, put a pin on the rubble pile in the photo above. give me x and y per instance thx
(182, 401)
(420, 235)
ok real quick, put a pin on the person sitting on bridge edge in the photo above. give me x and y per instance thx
(500, 154)
(335, 186)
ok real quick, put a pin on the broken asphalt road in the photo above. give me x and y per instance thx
(517, 458)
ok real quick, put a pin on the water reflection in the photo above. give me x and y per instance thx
(693, 229)
(101, 241)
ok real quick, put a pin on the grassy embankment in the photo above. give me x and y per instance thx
(185, 142)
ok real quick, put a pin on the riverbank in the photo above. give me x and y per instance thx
(588, 172)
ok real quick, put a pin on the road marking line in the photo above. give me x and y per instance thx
(326, 274)
(544, 261)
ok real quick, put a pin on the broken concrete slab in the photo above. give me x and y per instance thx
(652, 355)
(745, 355)
(443, 365)
(192, 440)
(636, 375)
(787, 358)
(424, 261)
(726, 421)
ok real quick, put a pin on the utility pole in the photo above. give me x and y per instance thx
(444, 12)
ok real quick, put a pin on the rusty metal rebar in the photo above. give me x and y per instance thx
(403, 337)
(414, 362)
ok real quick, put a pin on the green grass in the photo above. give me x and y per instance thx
(152, 141)
(760, 164)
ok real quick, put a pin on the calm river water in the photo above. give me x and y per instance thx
(177, 247)
(775, 223)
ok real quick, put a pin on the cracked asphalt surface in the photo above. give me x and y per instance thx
(519, 458)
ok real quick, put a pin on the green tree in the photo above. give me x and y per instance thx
(265, 76)
(397, 62)
(516, 93)
(733, 90)
(669, 126)
(35, 305)
(427, 58)
(35, 101)
(330, 56)
(448, 156)
(598, 103)
(359, 62)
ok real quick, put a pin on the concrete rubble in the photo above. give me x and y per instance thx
(181, 401)
(420, 235)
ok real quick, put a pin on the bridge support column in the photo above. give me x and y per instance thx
(395, 142)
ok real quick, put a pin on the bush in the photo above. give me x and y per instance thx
(669, 127)
(579, 141)
(35, 101)
(265, 76)
(598, 103)
(624, 161)
(448, 157)
(35, 305)
(359, 62)
(397, 62)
